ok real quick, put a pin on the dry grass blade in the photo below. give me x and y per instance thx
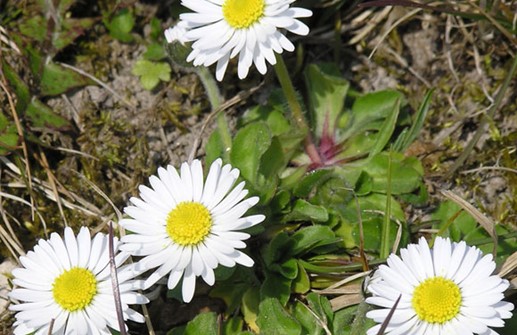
(484, 121)
(5, 39)
(484, 221)
(21, 138)
(25, 202)
(346, 280)
(39, 185)
(102, 194)
(7, 235)
(345, 300)
(114, 282)
(386, 322)
(349, 294)
(52, 181)
(509, 265)
(390, 29)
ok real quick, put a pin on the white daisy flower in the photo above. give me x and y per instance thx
(68, 281)
(449, 290)
(223, 29)
(176, 33)
(187, 227)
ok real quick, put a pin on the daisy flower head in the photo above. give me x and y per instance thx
(186, 226)
(222, 29)
(68, 281)
(448, 289)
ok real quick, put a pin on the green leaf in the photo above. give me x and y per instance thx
(250, 308)
(57, 79)
(311, 237)
(64, 5)
(71, 29)
(277, 249)
(406, 173)
(121, 25)
(310, 181)
(321, 307)
(249, 144)
(233, 326)
(42, 116)
(387, 128)
(310, 326)
(231, 293)
(302, 283)
(156, 29)
(368, 113)
(155, 52)
(288, 269)
(361, 323)
(34, 27)
(8, 135)
(406, 138)
(215, 147)
(151, 73)
(452, 221)
(276, 286)
(18, 85)
(343, 320)
(327, 94)
(204, 323)
(334, 192)
(273, 161)
(305, 211)
(273, 319)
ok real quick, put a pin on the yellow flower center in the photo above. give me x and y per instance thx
(74, 289)
(189, 223)
(243, 13)
(437, 300)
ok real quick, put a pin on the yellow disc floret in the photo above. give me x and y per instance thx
(437, 300)
(74, 289)
(243, 13)
(189, 223)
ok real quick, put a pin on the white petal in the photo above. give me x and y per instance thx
(189, 284)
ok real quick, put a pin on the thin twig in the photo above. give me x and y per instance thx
(485, 168)
(112, 91)
(51, 326)
(102, 194)
(320, 321)
(390, 29)
(388, 317)
(225, 105)
(114, 282)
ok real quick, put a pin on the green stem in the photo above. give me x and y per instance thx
(385, 234)
(296, 109)
(290, 93)
(211, 88)
(212, 91)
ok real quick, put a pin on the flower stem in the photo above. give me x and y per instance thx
(296, 109)
(211, 88)
(290, 94)
(214, 96)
